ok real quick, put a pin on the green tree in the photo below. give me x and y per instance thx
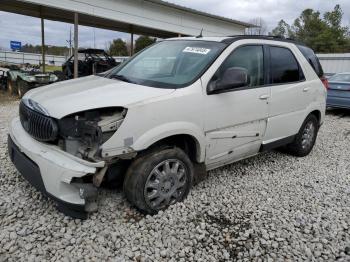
(282, 30)
(142, 42)
(321, 33)
(310, 29)
(335, 30)
(118, 48)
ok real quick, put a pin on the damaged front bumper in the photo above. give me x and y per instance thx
(52, 171)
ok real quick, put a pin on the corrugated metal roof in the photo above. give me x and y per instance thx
(143, 17)
(343, 55)
(335, 63)
(191, 10)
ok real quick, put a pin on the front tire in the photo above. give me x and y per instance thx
(158, 179)
(306, 138)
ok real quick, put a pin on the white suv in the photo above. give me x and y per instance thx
(162, 119)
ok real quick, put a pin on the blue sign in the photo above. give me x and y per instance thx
(15, 45)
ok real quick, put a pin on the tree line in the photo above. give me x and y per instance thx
(118, 47)
(323, 33)
(50, 50)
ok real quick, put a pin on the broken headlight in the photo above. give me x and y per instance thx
(81, 134)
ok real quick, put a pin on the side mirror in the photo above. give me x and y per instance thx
(233, 77)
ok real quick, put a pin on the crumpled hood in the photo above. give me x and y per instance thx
(64, 98)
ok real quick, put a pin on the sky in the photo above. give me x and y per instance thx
(27, 29)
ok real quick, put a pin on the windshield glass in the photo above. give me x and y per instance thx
(340, 78)
(169, 64)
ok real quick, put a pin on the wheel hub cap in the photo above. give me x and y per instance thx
(308, 135)
(166, 184)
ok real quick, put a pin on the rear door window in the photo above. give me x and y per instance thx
(284, 67)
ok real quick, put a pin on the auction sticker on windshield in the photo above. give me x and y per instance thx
(196, 50)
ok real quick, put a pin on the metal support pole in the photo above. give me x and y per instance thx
(43, 44)
(76, 45)
(132, 42)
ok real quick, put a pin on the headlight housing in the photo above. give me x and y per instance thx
(82, 133)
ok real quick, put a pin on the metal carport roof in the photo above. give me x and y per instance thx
(145, 17)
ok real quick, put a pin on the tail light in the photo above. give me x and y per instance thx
(325, 82)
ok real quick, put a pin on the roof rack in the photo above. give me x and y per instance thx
(265, 36)
(233, 38)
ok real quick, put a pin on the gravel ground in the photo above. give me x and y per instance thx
(270, 207)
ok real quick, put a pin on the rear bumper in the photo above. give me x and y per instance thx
(49, 171)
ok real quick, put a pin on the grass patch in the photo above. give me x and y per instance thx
(51, 68)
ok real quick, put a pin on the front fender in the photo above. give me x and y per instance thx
(170, 129)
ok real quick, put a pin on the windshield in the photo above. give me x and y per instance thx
(169, 64)
(340, 78)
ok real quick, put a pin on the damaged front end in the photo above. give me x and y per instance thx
(82, 134)
(69, 159)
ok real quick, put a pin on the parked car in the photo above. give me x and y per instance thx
(339, 91)
(20, 82)
(21, 79)
(90, 62)
(160, 121)
(328, 75)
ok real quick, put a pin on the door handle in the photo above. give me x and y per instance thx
(264, 97)
(306, 89)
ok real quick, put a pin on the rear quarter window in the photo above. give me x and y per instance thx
(312, 59)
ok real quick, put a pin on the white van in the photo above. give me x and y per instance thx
(159, 121)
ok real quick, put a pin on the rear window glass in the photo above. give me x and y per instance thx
(312, 59)
(340, 78)
(284, 66)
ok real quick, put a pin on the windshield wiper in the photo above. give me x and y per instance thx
(122, 78)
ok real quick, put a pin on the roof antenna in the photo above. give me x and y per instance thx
(200, 35)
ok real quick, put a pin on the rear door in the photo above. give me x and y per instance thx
(290, 93)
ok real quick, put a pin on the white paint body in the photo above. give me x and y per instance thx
(254, 117)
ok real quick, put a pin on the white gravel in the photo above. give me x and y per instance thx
(270, 207)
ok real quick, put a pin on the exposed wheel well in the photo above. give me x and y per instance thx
(317, 114)
(187, 143)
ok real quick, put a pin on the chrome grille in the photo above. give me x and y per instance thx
(39, 126)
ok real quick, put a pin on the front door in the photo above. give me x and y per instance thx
(236, 120)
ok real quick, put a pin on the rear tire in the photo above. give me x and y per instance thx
(158, 179)
(305, 139)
